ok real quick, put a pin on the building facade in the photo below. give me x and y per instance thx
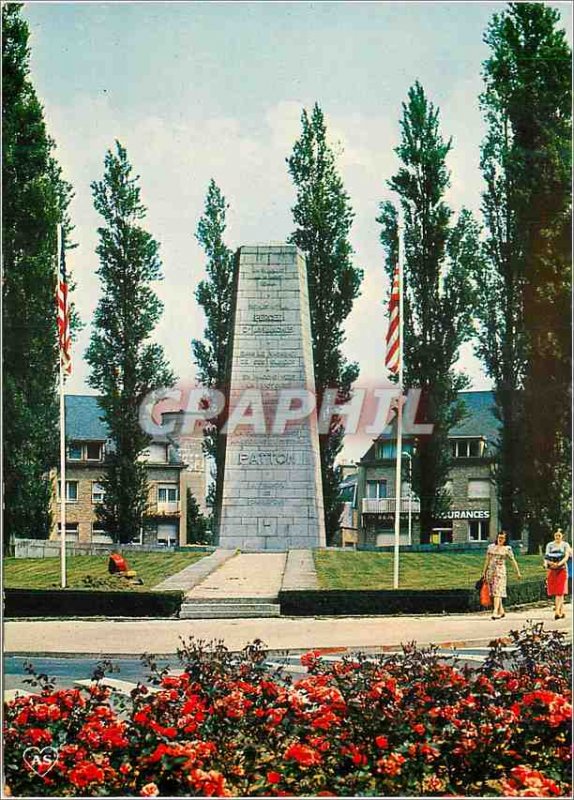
(473, 517)
(168, 475)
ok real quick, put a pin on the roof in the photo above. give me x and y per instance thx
(84, 418)
(480, 420)
(84, 423)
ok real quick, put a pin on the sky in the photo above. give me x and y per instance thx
(201, 90)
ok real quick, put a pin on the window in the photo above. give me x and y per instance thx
(85, 451)
(71, 529)
(478, 489)
(71, 491)
(466, 448)
(99, 534)
(98, 492)
(376, 490)
(167, 494)
(441, 536)
(478, 530)
(75, 451)
(93, 451)
(387, 450)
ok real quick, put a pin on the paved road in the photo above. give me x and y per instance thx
(67, 670)
(129, 637)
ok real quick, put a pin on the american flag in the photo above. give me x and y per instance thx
(63, 309)
(393, 356)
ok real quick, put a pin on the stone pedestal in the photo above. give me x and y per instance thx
(271, 497)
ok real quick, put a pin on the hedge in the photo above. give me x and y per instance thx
(344, 602)
(89, 603)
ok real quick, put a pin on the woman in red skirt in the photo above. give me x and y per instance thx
(555, 559)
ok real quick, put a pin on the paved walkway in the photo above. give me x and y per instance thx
(190, 576)
(161, 636)
(300, 572)
(246, 575)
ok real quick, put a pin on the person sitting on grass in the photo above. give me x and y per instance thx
(117, 565)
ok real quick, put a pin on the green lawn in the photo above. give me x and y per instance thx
(44, 573)
(364, 570)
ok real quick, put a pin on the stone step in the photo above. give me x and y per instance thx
(222, 609)
(240, 599)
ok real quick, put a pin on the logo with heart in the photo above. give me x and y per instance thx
(40, 761)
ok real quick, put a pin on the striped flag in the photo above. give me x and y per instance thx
(63, 309)
(392, 358)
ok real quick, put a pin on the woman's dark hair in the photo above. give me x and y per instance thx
(502, 533)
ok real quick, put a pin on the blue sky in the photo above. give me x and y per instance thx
(202, 90)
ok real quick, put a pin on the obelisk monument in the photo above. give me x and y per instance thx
(271, 497)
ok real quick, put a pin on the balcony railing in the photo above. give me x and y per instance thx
(386, 505)
(167, 508)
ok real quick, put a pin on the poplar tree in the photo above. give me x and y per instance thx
(35, 200)
(125, 364)
(437, 298)
(323, 218)
(215, 296)
(525, 283)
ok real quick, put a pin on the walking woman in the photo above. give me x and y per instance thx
(556, 558)
(495, 572)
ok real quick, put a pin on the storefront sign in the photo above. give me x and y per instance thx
(468, 514)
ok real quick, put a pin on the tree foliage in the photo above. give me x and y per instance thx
(525, 282)
(323, 219)
(197, 525)
(215, 296)
(438, 298)
(35, 200)
(125, 364)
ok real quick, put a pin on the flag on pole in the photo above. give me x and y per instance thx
(393, 356)
(63, 311)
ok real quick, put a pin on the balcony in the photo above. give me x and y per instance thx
(386, 505)
(166, 508)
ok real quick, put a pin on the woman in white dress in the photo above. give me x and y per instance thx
(495, 572)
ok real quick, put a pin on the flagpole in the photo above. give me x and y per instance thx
(399, 410)
(62, 442)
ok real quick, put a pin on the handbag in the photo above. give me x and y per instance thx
(485, 597)
(478, 584)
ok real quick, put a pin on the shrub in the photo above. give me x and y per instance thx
(90, 603)
(406, 724)
(333, 602)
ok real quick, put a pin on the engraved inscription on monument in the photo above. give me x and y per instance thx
(272, 498)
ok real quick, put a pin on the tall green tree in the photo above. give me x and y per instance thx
(215, 296)
(197, 525)
(125, 364)
(323, 219)
(438, 297)
(525, 282)
(35, 200)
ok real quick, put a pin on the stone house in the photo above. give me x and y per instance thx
(473, 517)
(168, 475)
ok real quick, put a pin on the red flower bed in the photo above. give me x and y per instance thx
(401, 725)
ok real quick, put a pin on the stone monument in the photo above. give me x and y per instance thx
(271, 497)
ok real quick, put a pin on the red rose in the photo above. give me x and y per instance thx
(273, 777)
(382, 742)
(303, 755)
(85, 773)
